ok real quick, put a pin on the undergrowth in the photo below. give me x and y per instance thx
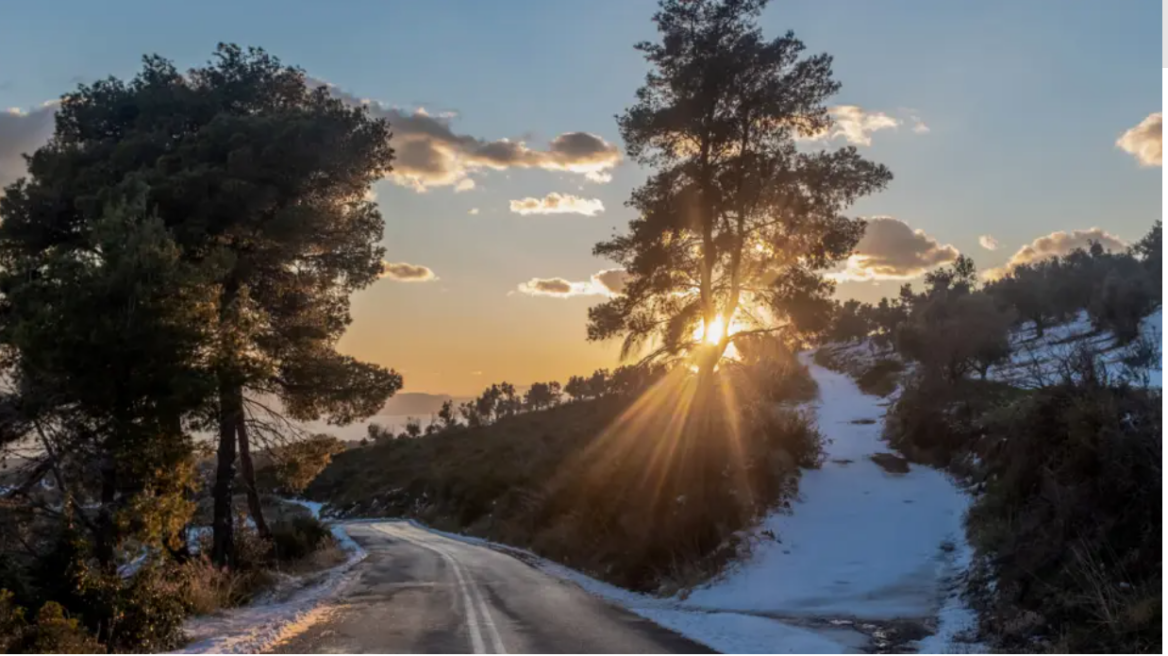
(652, 493)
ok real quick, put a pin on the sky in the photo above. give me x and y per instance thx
(1012, 129)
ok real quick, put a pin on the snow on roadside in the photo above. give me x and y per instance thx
(255, 628)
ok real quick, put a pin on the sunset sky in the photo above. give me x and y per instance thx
(1003, 123)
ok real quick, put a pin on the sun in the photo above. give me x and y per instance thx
(714, 333)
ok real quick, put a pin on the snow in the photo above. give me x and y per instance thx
(255, 628)
(860, 542)
(1035, 360)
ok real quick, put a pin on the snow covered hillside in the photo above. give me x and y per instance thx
(1034, 360)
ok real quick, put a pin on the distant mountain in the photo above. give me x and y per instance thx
(417, 404)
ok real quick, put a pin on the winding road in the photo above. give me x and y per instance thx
(419, 592)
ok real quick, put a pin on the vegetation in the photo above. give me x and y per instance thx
(622, 486)
(178, 259)
(735, 223)
(1066, 522)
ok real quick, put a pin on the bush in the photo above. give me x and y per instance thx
(298, 538)
(52, 633)
(881, 378)
(1069, 525)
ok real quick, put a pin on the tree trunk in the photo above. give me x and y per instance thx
(104, 544)
(223, 549)
(245, 467)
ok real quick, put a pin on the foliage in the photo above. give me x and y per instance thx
(53, 632)
(735, 222)
(954, 335)
(298, 537)
(880, 378)
(260, 179)
(293, 466)
(623, 486)
(1069, 523)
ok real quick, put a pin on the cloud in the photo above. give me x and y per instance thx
(405, 272)
(465, 184)
(431, 154)
(473, 211)
(1144, 141)
(614, 280)
(892, 250)
(856, 125)
(988, 242)
(1058, 243)
(555, 203)
(609, 282)
(21, 133)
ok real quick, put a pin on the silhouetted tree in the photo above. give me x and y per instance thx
(446, 415)
(413, 427)
(577, 388)
(851, 321)
(249, 167)
(734, 215)
(541, 395)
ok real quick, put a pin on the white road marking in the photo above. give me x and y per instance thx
(472, 597)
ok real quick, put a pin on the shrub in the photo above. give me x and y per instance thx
(298, 538)
(881, 378)
(1069, 524)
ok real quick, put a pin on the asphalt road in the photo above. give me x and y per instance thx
(418, 592)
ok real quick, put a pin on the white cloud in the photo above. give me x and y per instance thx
(473, 211)
(556, 203)
(21, 133)
(1144, 141)
(891, 250)
(465, 184)
(856, 125)
(431, 154)
(1059, 243)
(988, 242)
(405, 272)
(609, 282)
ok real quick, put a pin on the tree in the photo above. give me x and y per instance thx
(249, 167)
(103, 341)
(597, 385)
(577, 388)
(1150, 249)
(295, 465)
(958, 278)
(510, 403)
(851, 321)
(446, 415)
(541, 395)
(413, 427)
(735, 222)
(951, 335)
